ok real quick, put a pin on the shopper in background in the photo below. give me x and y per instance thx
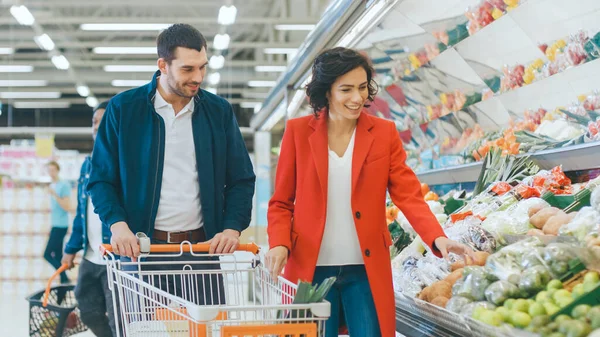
(327, 215)
(94, 298)
(60, 192)
(170, 161)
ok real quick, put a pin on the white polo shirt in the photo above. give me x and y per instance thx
(340, 245)
(179, 208)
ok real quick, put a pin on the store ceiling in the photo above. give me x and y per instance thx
(253, 35)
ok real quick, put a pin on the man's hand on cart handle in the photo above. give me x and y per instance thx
(225, 242)
(123, 241)
(68, 260)
(276, 259)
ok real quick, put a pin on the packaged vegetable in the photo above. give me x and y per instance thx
(473, 285)
(468, 309)
(534, 279)
(500, 291)
(584, 222)
(457, 303)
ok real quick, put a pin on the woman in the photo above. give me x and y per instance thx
(327, 214)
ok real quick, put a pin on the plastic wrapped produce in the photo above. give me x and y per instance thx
(500, 291)
(557, 257)
(534, 280)
(585, 221)
(470, 232)
(473, 285)
(457, 303)
(468, 309)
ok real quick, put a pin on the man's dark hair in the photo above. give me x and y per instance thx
(102, 105)
(178, 35)
(330, 65)
(55, 164)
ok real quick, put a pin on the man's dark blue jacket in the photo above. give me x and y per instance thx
(127, 162)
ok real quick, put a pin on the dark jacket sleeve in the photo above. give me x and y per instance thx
(239, 177)
(75, 242)
(105, 180)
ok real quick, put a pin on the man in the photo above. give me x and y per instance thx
(60, 192)
(94, 298)
(170, 161)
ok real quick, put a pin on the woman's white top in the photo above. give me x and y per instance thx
(340, 245)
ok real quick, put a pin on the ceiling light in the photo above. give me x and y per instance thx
(41, 105)
(44, 42)
(6, 51)
(15, 69)
(23, 83)
(261, 84)
(128, 83)
(130, 69)
(212, 90)
(83, 90)
(91, 101)
(22, 15)
(221, 41)
(214, 78)
(124, 26)
(280, 50)
(249, 105)
(60, 62)
(216, 62)
(29, 94)
(295, 27)
(227, 15)
(266, 69)
(257, 95)
(124, 50)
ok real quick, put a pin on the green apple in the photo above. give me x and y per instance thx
(561, 318)
(542, 297)
(580, 311)
(551, 308)
(505, 312)
(578, 291)
(591, 277)
(554, 284)
(589, 286)
(536, 309)
(540, 321)
(508, 304)
(520, 319)
(561, 293)
(491, 317)
(477, 312)
(564, 301)
(521, 305)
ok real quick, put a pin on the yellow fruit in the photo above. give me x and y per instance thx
(537, 64)
(561, 43)
(496, 13)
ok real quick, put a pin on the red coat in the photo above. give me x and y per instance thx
(297, 209)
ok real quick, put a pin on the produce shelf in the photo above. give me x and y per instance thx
(572, 158)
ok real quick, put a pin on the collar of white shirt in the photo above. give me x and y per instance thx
(160, 102)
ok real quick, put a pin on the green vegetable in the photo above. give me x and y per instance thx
(499, 291)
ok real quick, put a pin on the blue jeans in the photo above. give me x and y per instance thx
(352, 294)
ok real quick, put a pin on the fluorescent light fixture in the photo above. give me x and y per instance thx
(249, 105)
(281, 50)
(214, 78)
(227, 15)
(212, 90)
(15, 69)
(23, 83)
(128, 83)
(60, 62)
(256, 95)
(22, 15)
(124, 50)
(221, 41)
(91, 101)
(44, 42)
(295, 27)
(29, 94)
(261, 84)
(124, 26)
(130, 69)
(41, 105)
(6, 51)
(83, 90)
(216, 62)
(266, 69)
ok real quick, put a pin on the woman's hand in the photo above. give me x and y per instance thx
(446, 246)
(276, 259)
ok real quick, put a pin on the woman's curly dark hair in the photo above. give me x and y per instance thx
(330, 65)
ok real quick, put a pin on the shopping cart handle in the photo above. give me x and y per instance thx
(196, 248)
(49, 284)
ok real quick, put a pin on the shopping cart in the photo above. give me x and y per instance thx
(178, 290)
(53, 312)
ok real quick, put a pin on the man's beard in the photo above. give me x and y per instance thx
(179, 90)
